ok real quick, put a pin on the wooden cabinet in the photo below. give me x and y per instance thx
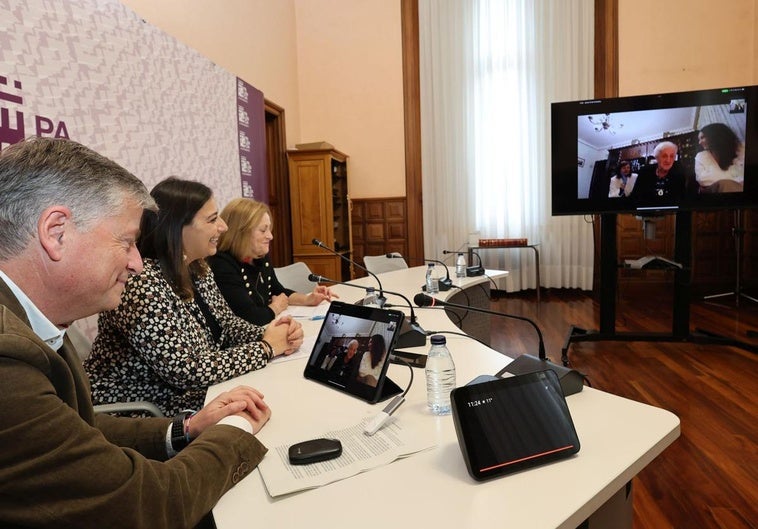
(320, 209)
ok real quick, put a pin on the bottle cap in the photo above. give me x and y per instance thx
(438, 339)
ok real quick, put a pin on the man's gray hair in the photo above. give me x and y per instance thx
(41, 172)
(665, 145)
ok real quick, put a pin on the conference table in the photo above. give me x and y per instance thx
(432, 488)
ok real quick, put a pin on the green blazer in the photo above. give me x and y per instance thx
(62, 465)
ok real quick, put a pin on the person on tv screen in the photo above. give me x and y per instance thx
(623, 183)
(663, 181)
(720, 166)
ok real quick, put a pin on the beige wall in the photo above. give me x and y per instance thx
(351, 88)
(335, 66)
(680, 45)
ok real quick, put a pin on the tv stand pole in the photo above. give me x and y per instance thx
(738, 231)
(680, 326)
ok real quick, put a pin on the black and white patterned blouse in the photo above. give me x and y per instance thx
(156, 347)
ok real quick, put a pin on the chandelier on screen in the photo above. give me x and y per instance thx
(603, 122)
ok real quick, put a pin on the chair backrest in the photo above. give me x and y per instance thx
(381, 263)
(80, 340)
(295, 277)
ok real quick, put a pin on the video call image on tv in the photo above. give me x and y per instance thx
(353, 349)
(659, 152)
(654, 153)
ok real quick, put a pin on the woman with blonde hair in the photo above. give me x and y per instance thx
(243, 270)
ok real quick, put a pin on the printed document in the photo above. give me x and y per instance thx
(360, 452)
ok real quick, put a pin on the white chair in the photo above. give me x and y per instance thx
(295, 277)
(377, 264)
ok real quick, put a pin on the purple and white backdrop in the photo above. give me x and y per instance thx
(94, 72)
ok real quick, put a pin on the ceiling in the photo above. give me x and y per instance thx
(642, 125)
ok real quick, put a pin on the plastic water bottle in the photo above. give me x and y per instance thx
(460, 265)
(440, 376)
(371, 299)
(432, 279)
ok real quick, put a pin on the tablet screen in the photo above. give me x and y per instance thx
(513, 423)
(353, 348)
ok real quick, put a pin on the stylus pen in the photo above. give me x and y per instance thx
(394, 404)
(381, 418)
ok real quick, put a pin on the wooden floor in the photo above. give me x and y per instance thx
(708, 478)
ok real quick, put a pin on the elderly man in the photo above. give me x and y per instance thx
(663, 182)
(69, 219)
(346, 365)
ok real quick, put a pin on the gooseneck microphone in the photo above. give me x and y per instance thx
(411, 333)
(572, 381)
(422, 300)
(320, 244)
(445, 284)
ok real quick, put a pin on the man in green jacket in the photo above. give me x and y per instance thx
(69, 220)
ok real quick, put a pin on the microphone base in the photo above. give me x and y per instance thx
(572, 381)
(410, 335)
(444, 285)
(472, 271)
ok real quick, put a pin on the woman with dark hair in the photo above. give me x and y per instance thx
(243, 269)
(622, 183)
(720, 166)
(173, 334)
(372, 361)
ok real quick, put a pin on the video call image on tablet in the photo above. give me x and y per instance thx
(353, 348)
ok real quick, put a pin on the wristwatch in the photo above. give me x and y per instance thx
(179, 439)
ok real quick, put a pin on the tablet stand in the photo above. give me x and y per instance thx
(680, 331)
(389, 389)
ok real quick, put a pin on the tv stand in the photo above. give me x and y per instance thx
(680, 331)
(738, 231)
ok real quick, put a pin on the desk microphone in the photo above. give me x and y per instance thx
(471, 270)
(320, 244)
(411, 333)
(445, 284)
(571, 380)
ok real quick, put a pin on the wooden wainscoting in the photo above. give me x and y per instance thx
(714, 255)
(379, 226)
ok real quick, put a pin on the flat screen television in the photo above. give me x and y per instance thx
(653, 154)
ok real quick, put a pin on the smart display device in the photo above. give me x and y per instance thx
(513, 423)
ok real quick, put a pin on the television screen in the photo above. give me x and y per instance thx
(657, 153)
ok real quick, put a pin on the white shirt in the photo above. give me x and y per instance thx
(615, 185)
(708, 172)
